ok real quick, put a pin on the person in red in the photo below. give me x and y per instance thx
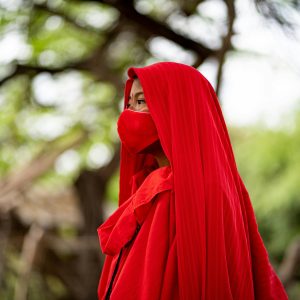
(185, 227)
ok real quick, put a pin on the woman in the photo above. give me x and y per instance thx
(185, 227)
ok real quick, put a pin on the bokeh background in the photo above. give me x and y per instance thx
(62, 72)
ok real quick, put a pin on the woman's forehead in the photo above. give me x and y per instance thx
(136, 85)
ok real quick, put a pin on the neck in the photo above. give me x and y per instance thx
(162, 160)
(159, 154)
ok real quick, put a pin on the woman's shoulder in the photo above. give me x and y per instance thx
(162, 176)
(158, 181)
(119, 228)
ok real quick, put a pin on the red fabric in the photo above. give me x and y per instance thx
(218, 249)
(137, 131)
(147, 269)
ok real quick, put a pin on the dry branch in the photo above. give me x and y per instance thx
(34, 169)
(291, 263)
(28, 254)
(157, 28)
(226, 42)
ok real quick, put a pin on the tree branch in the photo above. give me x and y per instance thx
(291, 263)
(95, 63)
(35, 168)
(31, 242)
(156, 28)
(226, 42)
(53, 11)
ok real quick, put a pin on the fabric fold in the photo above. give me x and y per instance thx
(121, 226)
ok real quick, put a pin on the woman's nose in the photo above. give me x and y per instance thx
(132, 108)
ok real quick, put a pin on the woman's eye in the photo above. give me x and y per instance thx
(139, 101)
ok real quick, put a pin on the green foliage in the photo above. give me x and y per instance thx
(113, 189)
(60, 87)
(11, 267)
(269, 163)
(54, 42)
(55, 288)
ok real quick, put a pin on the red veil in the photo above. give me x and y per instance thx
(220, 252)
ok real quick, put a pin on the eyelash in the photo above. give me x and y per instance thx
(128, 104)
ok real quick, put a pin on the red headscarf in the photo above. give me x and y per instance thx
(218, 242)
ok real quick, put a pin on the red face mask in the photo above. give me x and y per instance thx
(137, 131)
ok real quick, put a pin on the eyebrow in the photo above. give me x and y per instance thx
(136, 94)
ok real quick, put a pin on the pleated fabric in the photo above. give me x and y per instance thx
(220, 253)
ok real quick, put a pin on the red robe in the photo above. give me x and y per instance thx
(198, 237)
(144, 228)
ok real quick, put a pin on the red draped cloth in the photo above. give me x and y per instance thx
(185, 231)
(144, 227)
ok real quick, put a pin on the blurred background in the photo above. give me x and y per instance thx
(62, 73)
